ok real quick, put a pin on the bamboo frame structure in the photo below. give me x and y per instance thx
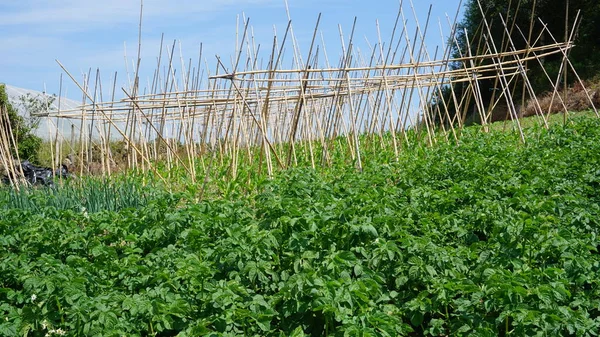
(260, 113)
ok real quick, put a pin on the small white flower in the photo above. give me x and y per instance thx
(44, 324)
(60, 331)
(33, 297)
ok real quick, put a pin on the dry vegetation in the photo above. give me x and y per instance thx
(576, 98)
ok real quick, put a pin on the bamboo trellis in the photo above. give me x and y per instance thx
(253, 109)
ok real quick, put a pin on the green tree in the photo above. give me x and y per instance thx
(28, 143)
(527, 21)
(34, 108)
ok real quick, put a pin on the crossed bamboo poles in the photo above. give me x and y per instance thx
(244, 111)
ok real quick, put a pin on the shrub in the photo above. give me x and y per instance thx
(27, 143)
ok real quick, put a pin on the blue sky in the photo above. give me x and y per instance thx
(91, 34)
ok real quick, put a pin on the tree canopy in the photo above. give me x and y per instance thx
(519, 24)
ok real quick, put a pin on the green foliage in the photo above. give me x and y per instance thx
(524, 26)
(89, 194)
(484, 238)
(28, 143)
(520, 13)
(35, 107)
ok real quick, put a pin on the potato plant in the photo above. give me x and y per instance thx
(487, 237)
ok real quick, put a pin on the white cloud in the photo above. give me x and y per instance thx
(82, 15)
(86, 34)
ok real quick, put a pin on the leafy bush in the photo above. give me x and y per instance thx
(28, 143)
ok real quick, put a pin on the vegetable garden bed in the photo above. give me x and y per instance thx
(487, 238)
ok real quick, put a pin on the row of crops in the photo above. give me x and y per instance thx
(489, 237)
